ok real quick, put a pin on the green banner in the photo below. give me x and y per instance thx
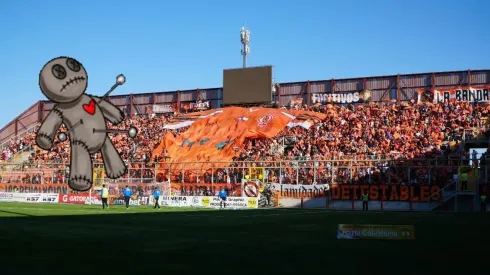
(379, 232)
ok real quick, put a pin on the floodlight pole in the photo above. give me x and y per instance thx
(245, 40)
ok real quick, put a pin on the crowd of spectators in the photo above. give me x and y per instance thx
(355, 141)
(361, 143)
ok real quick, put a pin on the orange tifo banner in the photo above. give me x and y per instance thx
(216, 135)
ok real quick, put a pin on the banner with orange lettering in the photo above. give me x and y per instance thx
(376, 192)
(217, 135)
(386, 192)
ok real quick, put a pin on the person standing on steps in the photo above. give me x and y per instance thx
(483, 203)
(365, 200)
(464, 181)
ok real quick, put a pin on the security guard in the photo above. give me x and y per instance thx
(483, 204)
(222, 198)
(104, 193)
(127, 196)
(156, 197)
(365, 199)
(268, 194)
(464, 181)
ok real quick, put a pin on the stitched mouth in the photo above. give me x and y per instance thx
(71, 81)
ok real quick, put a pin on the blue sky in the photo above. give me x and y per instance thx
(170, 45)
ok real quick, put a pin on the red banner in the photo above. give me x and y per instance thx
(386, 192)
(73, 198)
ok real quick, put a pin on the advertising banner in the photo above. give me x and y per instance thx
(12, 197)
(207, 202)
(29, 197)
(73, 198)
(117, 200)
(379, 232)
(179, 201)
(135, 201)
(96, 200)
(231, 202)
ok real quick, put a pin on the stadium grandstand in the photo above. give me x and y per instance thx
(382, 165)
(400, 130)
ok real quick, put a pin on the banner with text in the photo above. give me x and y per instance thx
(196, 106)
(376, 192)
(206, 202)
(379, 232)
(34, 188)
(161, 109)
(465, 94)
(342, 98)
(117, 200)
(298, 191)
(386, 192)
(29, 197)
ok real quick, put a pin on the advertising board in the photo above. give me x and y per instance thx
(207, 202)
(372, 231)
(29, 197)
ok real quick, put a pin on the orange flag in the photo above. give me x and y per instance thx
(217, 135)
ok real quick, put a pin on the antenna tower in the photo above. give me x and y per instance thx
(245, 49)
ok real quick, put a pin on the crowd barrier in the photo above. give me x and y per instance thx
(336, 184)
(295, 172)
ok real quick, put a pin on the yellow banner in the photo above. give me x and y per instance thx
(379, 232)
(99, 174)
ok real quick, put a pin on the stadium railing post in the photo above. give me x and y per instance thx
(127, 176)
(302, 203)
(155, 172)
(382, 203)
(143, 168)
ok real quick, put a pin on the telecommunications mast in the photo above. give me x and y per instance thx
(245, 49)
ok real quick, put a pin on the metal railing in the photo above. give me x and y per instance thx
(415, 171)
(447, 188)
(20, 134)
